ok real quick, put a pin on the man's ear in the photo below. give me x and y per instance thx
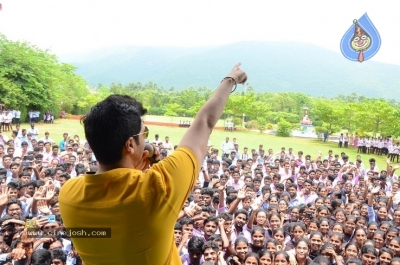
(129, 146)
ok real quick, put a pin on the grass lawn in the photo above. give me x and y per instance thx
(244, 139)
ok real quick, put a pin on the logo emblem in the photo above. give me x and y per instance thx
(361, 41)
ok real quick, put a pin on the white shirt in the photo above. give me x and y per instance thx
(227, 147)
(48, 140)
(169, 146)
(34, 132)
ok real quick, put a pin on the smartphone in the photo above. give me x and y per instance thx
(51, 218)
(309, 216)
(26, 163)
(28, 158)
(201, 198)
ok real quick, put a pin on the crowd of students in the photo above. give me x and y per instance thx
(33, 170)
(253, 206)
(284, 207)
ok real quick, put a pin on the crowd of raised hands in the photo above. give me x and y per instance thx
(28, 239)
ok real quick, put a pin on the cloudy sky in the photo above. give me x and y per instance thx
(76, 26)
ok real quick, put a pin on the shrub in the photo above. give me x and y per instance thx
(250, 125)
(284, 128)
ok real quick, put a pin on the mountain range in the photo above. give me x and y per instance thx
(271, 67)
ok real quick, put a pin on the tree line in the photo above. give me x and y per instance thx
(31, 78)
(34, 79)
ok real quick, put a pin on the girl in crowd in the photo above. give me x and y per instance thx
(316, 241)
(369, 255)
(391, 233)
(324, 229)
(328, 251)
(394, 245)
(350, 225)
(360, 237)
(279, 235)
(251, 259)
(297, 231)
(371, 228)
(385, 256)
(379, 239)
(275, 222)
(266, 258)
(301, 252)
(241, 250)
(351, 250)
(281, 258)
(258, 239)
(258, 217)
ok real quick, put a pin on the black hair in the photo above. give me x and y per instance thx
(396, 259)
(178, 226)
(186, 221)
(215, 238)
(117, 117)
(40, 183)
(207, 191)
(211, 219)
(195, 245)
(252, 254)
(369, 249)
(225, 216)
(13, 201)
(41, 257)
(242, 211)
(258, 229)
(386, 250)
(321, 260)
(65, 175)
(80, 169)
(210, 244)
(13, 185)
(354, 261)
(49, 172)
(58, 253)
(281, 252)
(241, 239)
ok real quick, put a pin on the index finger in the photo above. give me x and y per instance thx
(237, 66)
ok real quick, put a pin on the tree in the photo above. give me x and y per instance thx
(329, 112)
(377, 116)
(33, 78)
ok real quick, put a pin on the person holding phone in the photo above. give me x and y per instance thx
(126, 183)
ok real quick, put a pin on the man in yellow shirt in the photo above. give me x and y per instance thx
(127, 210)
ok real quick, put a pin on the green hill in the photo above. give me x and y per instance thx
(271, 66)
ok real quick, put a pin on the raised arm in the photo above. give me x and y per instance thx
(241, 195)
(388, 169)
(197, 135)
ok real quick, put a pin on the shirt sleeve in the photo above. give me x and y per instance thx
(371, 214)
(177, 174)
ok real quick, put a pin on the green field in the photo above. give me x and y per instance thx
(244, 138)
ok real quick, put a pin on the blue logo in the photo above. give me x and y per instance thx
(361, 41)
